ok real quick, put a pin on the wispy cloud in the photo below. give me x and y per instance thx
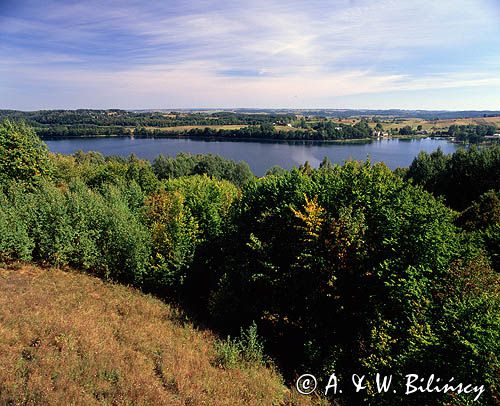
(268, 53)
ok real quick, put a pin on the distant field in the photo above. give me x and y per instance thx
(465, 121)
(286, 128)
(428, 125)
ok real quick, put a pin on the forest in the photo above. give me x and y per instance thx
(258, 125)
(350, 268)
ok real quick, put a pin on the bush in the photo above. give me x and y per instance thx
(482, 219)
(184, 218)
(247, 349)
(228, 353)
(15, 242)
(125, 240)
(79, 227)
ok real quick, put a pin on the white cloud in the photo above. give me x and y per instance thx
(301, 53)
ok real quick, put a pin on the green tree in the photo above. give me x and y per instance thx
(460, 177)
(344, 270)
(23, 156)
(209, 201)
(175, 234)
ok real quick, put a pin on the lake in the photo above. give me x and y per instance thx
(260, 155)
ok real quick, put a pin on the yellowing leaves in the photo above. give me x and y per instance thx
(313, 217)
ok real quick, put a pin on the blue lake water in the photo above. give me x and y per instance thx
(260, 155)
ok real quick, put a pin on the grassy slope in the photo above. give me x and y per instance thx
(68, 338)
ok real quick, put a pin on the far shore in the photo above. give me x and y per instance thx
(251, 139)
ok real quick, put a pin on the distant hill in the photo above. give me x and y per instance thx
(68, 338)
(335, 113)
(344, 113)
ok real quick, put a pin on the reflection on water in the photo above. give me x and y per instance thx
(260, 155)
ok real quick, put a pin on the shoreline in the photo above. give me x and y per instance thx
(251, 139)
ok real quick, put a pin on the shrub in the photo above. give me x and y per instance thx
(96, 171)
(247, 349)
(77, 226)
(251, 345)
(125, 241)
(228, 353)
(15, 242)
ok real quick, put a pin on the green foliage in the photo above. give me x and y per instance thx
(467, 330)
(101, 122)
(23, 157)
(246, 349)
(209, 200)
(482, 219)
(215, 166)
(228, 353)
(471, 133)
(483, 212)
(96, 170)
(76, 226)
(126, 245)
(251, 345)
(189, 212)
(461, 177)
(407, 130)
(275, 170)
(331, 130)
(343, 269)
(15, 243)
(175, 234)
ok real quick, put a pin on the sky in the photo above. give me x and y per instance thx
(408, 54)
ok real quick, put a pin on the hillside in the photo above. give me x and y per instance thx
(68, 338)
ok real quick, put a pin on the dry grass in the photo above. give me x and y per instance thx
(68, 338)
(465, 121)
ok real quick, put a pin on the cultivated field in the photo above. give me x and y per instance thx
(428, 125)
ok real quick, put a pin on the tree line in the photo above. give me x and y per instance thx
(124, 118)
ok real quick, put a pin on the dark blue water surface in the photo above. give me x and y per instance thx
(260, 155)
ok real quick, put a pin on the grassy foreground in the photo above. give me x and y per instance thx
(69, 338)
